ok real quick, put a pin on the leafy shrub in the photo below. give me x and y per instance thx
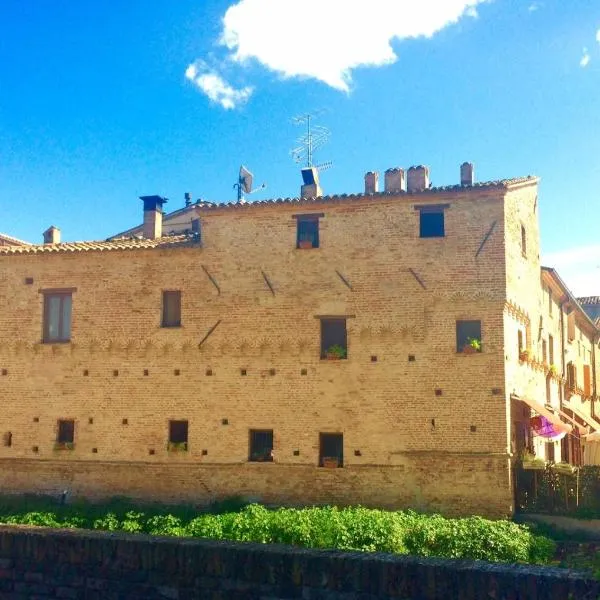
(355, 528)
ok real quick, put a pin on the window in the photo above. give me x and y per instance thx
(178, 435)
(307, 231)
(334, 339)
(468, 336)
(571, 326)
(66, 431)
(57, 317)
(550, 451)
(544, 352)
(551, 349)
(431, 223)
(261, 445)
(523, 240)
(587, 385)
(171, 309)
(331, 450)
(571, 376)
(520, 337)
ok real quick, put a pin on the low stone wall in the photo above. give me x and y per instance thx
(454, 485)
(55, 564)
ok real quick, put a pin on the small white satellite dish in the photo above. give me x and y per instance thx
(246, 179)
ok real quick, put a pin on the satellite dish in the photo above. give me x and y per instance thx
(246, 179)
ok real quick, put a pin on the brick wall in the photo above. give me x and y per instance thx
(77, 564)
(431, 431)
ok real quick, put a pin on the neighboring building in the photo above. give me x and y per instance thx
(376, 332)
(8, 240)
(591, 305)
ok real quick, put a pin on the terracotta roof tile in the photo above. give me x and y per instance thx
(104, 246)
(589, 300)
(12, 240)
(499, 184)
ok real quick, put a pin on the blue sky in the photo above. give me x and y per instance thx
(103, 102)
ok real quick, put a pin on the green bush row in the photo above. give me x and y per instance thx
(328, 527)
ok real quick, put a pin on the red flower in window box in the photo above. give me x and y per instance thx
(305, 244)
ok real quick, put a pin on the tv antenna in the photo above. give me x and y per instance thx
(244, 184)
(315, 137)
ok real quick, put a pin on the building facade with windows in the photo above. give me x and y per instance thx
(347, 349)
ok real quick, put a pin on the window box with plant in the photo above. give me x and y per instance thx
(531, 462)
(331, 462)
(335, 352)
(525, 355)
(64, 446)
(472, 346)
(305, 243)
(177, 447)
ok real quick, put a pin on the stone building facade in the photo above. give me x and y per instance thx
(347, 349)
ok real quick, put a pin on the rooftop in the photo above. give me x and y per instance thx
(589, 300)
(134, 243)
(9, 239)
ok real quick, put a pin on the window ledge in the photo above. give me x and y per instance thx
(52, 342)
(171, 326)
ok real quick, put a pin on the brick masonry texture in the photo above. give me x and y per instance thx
(53, 564)
(404, 444)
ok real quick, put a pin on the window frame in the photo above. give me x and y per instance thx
(164, 323)
(65, 426)
(340, 454)
(265, 454)
(61, 295)
(314, 220)
(343, 341)
(460, 348)
(178, 444)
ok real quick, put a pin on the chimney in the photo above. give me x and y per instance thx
(311, 187)
(394, 180)
(153, 216)
(467, 174)
(371, 182)
(188, 199)
(52, 235)
(417, 179)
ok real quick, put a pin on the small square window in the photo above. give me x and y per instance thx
(171, 309)
(57, 317)
(468, 336)
(307, 232)
(331, 450)
(261, 445)
(334, 339)
(431, 223)
(66, 431)
(178, 435)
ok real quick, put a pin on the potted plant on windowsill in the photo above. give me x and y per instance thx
(305, 243)
(64, 446)
(335, 352)
(524, 355)
(331, 462)
(264, 456)
(472, 346)
(553, 371)
(177, 447)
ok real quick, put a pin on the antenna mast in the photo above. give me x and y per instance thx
(315, 137)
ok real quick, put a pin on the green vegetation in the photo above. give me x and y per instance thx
(328, 527)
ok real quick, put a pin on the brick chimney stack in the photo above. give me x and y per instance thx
(153, 216)
(371, 182)
(52, 235)
(394, 180)
(467, 174)
(418, 179)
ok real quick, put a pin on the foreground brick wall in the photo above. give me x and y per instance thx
(422, 424)
(37, 563)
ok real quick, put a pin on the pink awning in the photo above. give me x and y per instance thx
(552, 419)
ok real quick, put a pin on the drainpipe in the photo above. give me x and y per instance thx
(562, 353)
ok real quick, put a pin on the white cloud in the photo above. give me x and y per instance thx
(598, 36)
(327, 39)
(579, 267)
(472, 12)
(585, 59)
(534, 6)
(215, 87)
